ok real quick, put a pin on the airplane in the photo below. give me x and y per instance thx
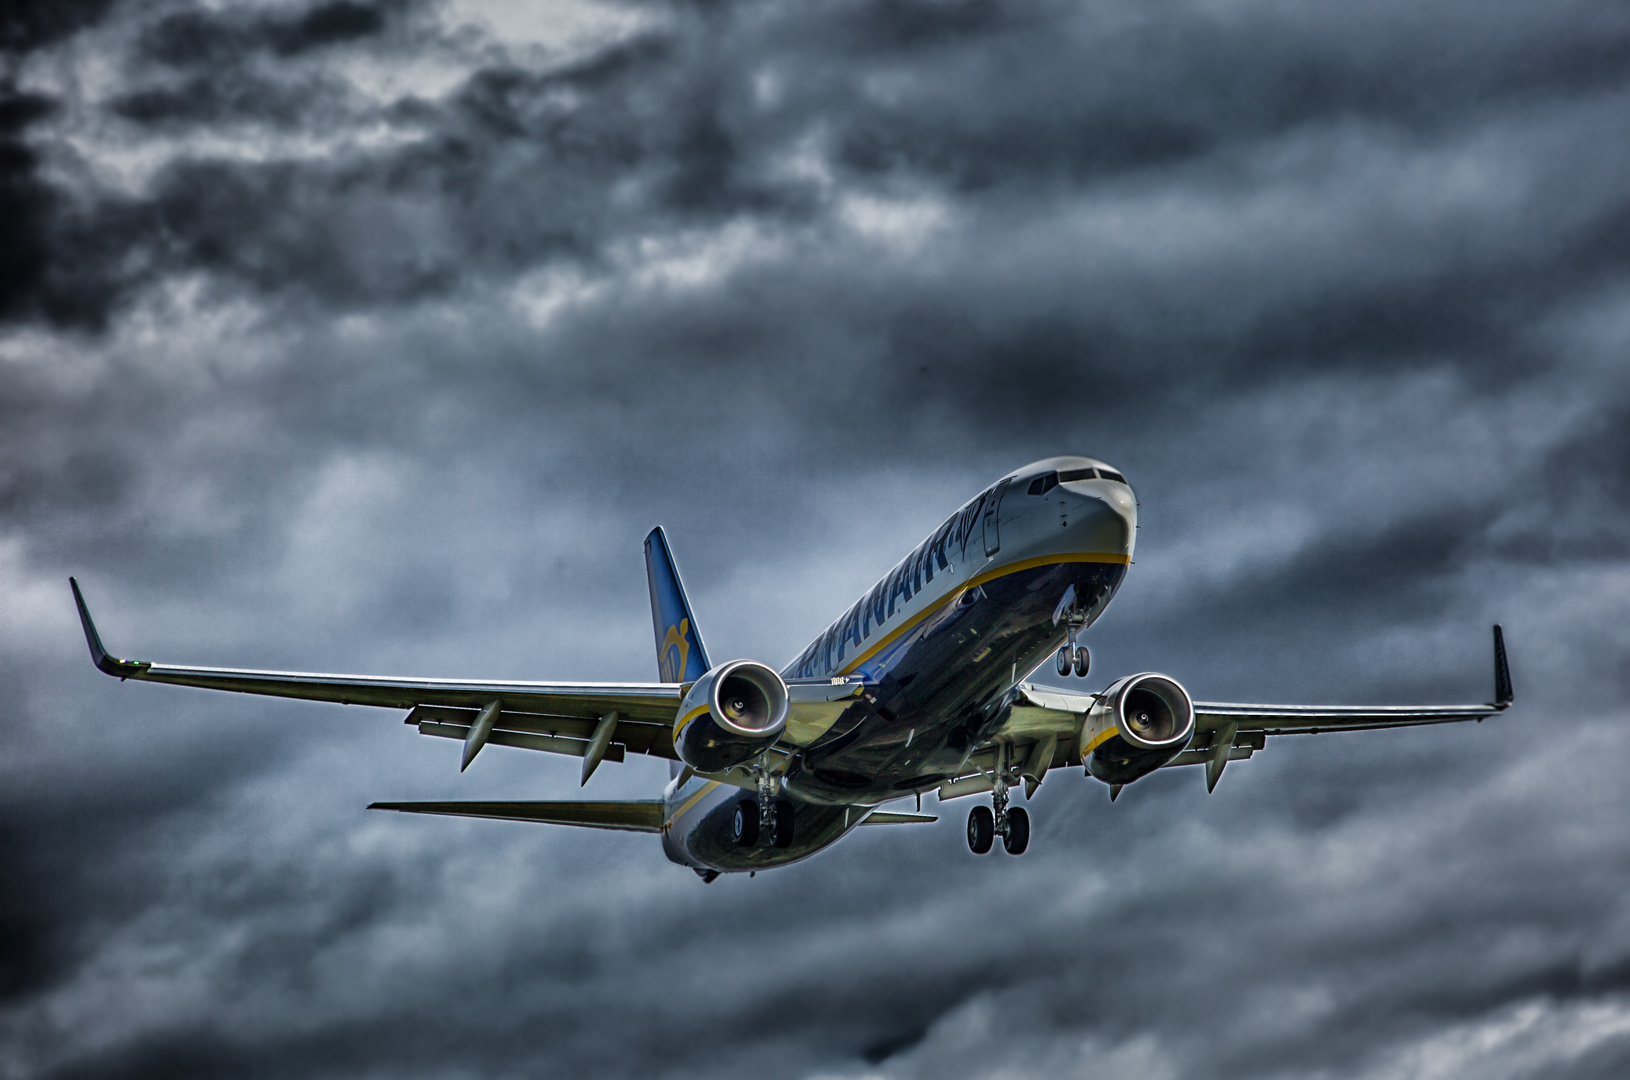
(922, 685)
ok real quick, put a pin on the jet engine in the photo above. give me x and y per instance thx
(1152, 719)
(730, 715)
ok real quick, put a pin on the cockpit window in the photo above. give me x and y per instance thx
(1041, 485)
(1089, 474)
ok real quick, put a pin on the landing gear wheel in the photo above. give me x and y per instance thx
(1083, 661)
(981, 829)
(781, 836)
(1064, 660)
(744, 826)
(1018, 831)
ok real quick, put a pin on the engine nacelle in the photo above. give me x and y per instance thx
(1139, 724)
(730, 715)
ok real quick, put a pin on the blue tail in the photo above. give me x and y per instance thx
(681, 657)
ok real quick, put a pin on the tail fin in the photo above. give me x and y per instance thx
(681, 657)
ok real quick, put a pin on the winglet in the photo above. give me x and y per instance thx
(110, 665)
(1503, 695)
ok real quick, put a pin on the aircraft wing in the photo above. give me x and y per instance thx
(561, 718)
(1045, 723)
(556, 717)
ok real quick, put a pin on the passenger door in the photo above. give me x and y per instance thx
(993, 507)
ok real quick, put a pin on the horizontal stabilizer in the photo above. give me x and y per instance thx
(644, 815)
(884, 817)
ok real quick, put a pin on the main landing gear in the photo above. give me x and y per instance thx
(766, 816)
(746, 826)
(985, 822)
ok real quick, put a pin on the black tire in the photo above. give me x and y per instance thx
(1063, 659)
(744, 826)
(1083, 661)
(1018, 831)
(782, 836)
(981, 829)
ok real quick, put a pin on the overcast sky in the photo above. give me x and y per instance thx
(374, 337)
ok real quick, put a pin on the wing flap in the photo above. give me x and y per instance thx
(644, 815)
(570, 734)
(814, 707)
(637, 701)
(552, 744)
(1314, 719)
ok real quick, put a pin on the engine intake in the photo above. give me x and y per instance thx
(1151, 718)
(730, 715)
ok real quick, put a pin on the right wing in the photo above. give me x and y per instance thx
(560, 718)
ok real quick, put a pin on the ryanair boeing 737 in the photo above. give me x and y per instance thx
(921, 686)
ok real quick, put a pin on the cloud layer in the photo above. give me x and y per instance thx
(373, 336)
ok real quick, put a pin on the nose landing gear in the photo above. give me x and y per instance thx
(1072, 657)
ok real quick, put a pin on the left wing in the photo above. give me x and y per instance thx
(1223, 731)
(1260, 721)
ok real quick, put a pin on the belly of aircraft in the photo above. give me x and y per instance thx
(944, 692)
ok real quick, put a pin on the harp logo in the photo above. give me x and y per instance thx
(675, 652)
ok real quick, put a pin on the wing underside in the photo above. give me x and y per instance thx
(559, 718)
(607, 721)
(1045, 724)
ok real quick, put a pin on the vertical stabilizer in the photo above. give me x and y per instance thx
(681, 657)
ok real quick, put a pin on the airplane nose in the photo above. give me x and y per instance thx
(1124, 504)
(1105, 521)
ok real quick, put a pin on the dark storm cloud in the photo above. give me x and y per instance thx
(31, 24)
(354, 336)
(232, 66)
(677, 108)
(217, 39)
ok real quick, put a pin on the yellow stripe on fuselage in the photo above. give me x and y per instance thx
(1107, 557)
(690, 802)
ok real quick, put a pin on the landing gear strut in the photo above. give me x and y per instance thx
(1073, 657)
(985, 823)
(767, 790)
(766, 817)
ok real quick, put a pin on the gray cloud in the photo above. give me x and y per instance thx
(373, 337)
